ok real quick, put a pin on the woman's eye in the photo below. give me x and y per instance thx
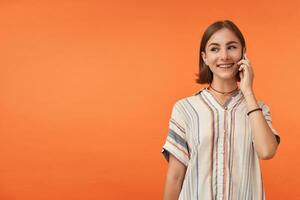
(232, 47)
(214, 49)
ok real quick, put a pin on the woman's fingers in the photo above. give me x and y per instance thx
(246, 62)
(245, 68)
(242, 67)
(241, 74)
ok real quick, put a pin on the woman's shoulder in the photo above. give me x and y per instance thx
(262, 104)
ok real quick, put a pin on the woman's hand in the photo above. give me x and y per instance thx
(246, 75)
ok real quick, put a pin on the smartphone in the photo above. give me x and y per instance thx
(242, 57)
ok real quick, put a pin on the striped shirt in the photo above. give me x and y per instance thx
(216, 145)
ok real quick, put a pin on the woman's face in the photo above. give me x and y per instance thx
(222, 52)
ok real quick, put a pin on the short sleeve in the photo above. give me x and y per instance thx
(176, 143)
(268, 117)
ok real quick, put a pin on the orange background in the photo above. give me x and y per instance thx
(87, 89)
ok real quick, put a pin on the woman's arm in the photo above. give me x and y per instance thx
(174, 179)
(264, 139)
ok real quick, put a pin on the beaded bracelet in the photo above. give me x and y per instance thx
(253, 111)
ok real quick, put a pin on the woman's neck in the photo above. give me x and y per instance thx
(223, 89)
(224, 85)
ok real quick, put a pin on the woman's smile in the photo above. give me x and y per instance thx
(225, 65)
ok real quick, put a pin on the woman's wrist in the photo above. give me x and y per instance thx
(250, 100)
(248, 93)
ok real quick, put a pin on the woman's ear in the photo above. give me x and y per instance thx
(203, 55)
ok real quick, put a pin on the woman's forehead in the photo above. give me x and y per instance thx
(223, 37)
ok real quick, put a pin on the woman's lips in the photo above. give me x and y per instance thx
(228, 65)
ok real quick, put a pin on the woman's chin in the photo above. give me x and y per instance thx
(227, 76)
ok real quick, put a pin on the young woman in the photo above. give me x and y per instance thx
(217, 136)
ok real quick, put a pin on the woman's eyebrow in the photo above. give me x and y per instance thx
(232, 42)
(228, 43)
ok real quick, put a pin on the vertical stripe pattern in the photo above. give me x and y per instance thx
(215, 144)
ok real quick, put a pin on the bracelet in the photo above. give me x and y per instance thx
(253, 111)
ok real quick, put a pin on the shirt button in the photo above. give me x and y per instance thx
(226, 108)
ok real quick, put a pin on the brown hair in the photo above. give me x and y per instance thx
(205, 74)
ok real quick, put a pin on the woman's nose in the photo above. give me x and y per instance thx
(224, 55)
